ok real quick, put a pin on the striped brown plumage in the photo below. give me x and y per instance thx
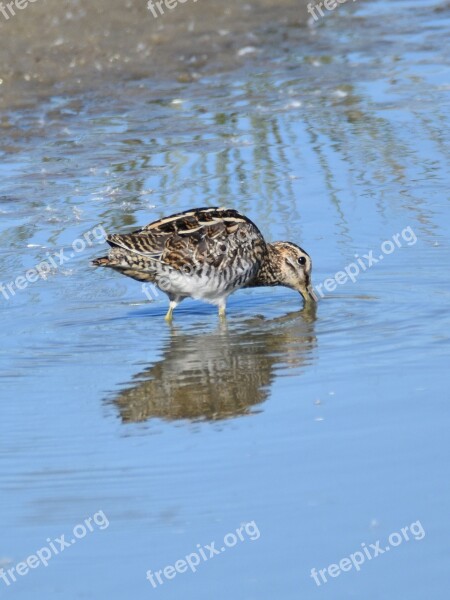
(207, 254)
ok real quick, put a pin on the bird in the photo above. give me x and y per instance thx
(207, 254)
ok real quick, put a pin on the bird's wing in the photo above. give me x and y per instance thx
(217, 237)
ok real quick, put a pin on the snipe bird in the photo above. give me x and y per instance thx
(207, 254)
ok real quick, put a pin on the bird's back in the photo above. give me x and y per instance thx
(205, 249)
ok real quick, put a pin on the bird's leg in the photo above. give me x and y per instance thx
(169, 315)
(222, 310)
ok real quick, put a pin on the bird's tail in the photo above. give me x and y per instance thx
(103, 261)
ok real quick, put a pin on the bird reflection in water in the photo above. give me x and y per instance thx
(220, 374)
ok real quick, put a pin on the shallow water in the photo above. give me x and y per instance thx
(328, 428)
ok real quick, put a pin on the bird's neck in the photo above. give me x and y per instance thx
(268, 271)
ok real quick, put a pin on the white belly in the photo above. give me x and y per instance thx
(212, 288)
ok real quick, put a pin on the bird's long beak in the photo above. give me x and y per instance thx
(308, 293)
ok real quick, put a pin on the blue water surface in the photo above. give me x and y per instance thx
(328, 429)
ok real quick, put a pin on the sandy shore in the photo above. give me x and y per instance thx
(61, 46)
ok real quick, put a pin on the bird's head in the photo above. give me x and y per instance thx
(293, 268)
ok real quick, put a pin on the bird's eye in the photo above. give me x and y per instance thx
(302, 260)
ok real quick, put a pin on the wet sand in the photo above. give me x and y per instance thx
(53, 47)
